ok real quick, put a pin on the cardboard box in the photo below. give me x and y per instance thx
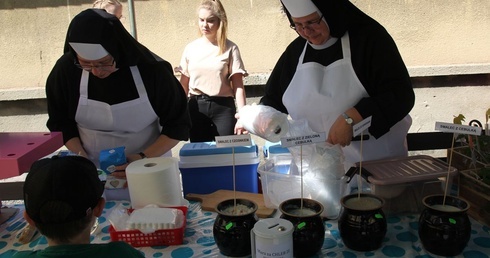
(116, 189)
(205, 168)
(121, 194)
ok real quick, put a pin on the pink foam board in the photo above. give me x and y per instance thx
(18, 150)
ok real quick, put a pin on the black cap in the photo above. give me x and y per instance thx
(61, 189)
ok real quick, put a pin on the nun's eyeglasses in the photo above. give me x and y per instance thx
(89, 68)
(311, 25)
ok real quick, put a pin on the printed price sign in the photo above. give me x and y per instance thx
(233, 140)
(302, 140)
(457, 128)
(361, 126)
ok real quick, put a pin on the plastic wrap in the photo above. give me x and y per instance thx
(264, 121)
(323, 169)
(320, 160)
(118, 217)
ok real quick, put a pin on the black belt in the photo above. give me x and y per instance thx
(206, 97)
(202, 96)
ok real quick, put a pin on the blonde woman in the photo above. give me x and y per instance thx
(113, 7)
(212, 74)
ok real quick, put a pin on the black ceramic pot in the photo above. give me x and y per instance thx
(231, 232)
(444, 229)
(362, 223)
(309, 230)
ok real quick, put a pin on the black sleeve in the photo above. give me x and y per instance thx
(62, 93)
(380, 68)
(281, 75)
(168, 99)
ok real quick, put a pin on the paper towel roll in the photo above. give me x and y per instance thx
(154, 181)
(264, 121)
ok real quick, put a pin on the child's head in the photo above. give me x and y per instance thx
(60, 195)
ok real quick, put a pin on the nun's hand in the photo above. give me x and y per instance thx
(120, 171)
(340, 132)
(239, 129)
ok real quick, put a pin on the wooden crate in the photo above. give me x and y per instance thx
(477, 194)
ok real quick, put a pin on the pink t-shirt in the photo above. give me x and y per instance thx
(208, 72)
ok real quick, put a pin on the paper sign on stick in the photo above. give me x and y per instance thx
(233, 140)
(361, 126)
(303, 139)
(457, 128)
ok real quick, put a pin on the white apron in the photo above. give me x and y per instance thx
(133, 124)
(320, 94)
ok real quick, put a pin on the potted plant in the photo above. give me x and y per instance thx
(473, 151)
(472, 159)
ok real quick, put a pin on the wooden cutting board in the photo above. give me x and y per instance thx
(210, 201)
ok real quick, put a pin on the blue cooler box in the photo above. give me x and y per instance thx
(206, 168)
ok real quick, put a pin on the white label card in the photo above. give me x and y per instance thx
(304, 139)
(233, 140)
(361, 126)
(457, 128)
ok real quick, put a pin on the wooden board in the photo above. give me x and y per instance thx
(210, 201)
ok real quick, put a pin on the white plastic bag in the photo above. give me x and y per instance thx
(264, 121)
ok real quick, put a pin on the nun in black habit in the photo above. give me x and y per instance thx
(108, 90)
(343, 68)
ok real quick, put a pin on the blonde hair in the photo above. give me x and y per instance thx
(217, 9)
(109, 5)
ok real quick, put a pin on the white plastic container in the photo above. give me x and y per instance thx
(272, 237)
(279, 184)
(272, 149)
(151, 219)
(404, 182)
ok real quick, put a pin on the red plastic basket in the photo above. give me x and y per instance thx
(158, 238)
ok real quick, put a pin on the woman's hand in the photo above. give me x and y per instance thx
(340, 132)
(120, 171)
(239, 129)
(75, 146)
